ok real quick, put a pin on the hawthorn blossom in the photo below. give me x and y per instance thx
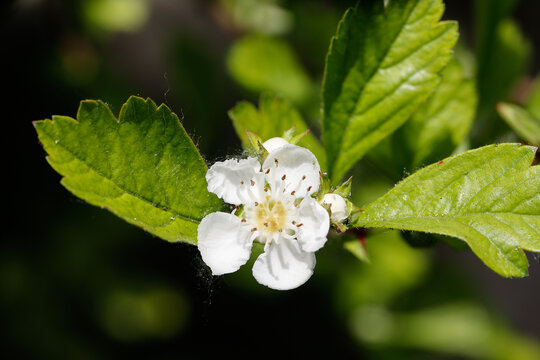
(278, 211)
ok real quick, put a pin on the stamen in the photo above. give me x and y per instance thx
(242, 182)
(256, 203)
(294, 222)
(243, 220)
(292, 193)
(276, 161)
(283, 177)
(254, 229)
(299, 225)
(304, 177)
(252, 182)
(309, 188)
(265, 189)
(267, 171)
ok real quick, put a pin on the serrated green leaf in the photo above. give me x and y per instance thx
(142, 166)
(382, 64)
(265, 64)
(488, 197)
(521, 121)
(274, 117)
(436, 129)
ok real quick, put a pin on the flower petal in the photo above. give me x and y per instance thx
(224, 243)
(274, 143)
(284, 265)
(292, 168)
(315, 225)
(338, 207)
(236, 181)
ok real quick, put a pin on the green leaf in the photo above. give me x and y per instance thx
(382, 64)
(522, 121)
(501, 49)
(533, 103)
(142, 166)
(506, 61)
(274, 117)
(357, 249)
(265, 64)
(436, 129)
(488, 197)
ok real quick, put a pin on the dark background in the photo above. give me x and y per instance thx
(67, 268)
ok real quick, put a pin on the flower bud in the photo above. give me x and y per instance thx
(274, 143)
(338, 207)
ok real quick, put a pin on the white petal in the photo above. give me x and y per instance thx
(284, 265)
(232, 180)
(315, 225)
(274, 143)
(223, 242)
(338, 207)
(294, 167)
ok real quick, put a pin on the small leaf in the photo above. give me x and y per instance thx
(273, 119)
(357, 249)
(142, 166)
(382, 64)
(265, 64)
(521, 121)
(488, 197)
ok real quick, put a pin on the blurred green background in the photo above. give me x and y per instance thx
(78, 283)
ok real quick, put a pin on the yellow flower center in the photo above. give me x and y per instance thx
(271, 216)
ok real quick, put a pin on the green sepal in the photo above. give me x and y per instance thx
(344, 190)
(325, 187)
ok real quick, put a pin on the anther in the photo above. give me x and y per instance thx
(276, 161)
(265, 189)
(294, 222)
(304, 177)
(265, 224)
(292, 192)
(252, 182)
(309, 188)
(299, 225)
(256, 203)
(244, 220)
(242, 182)
(283, 177)
(267, 171)
(254, 229)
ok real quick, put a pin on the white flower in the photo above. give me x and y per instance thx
(338, 207)
(278, 212)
